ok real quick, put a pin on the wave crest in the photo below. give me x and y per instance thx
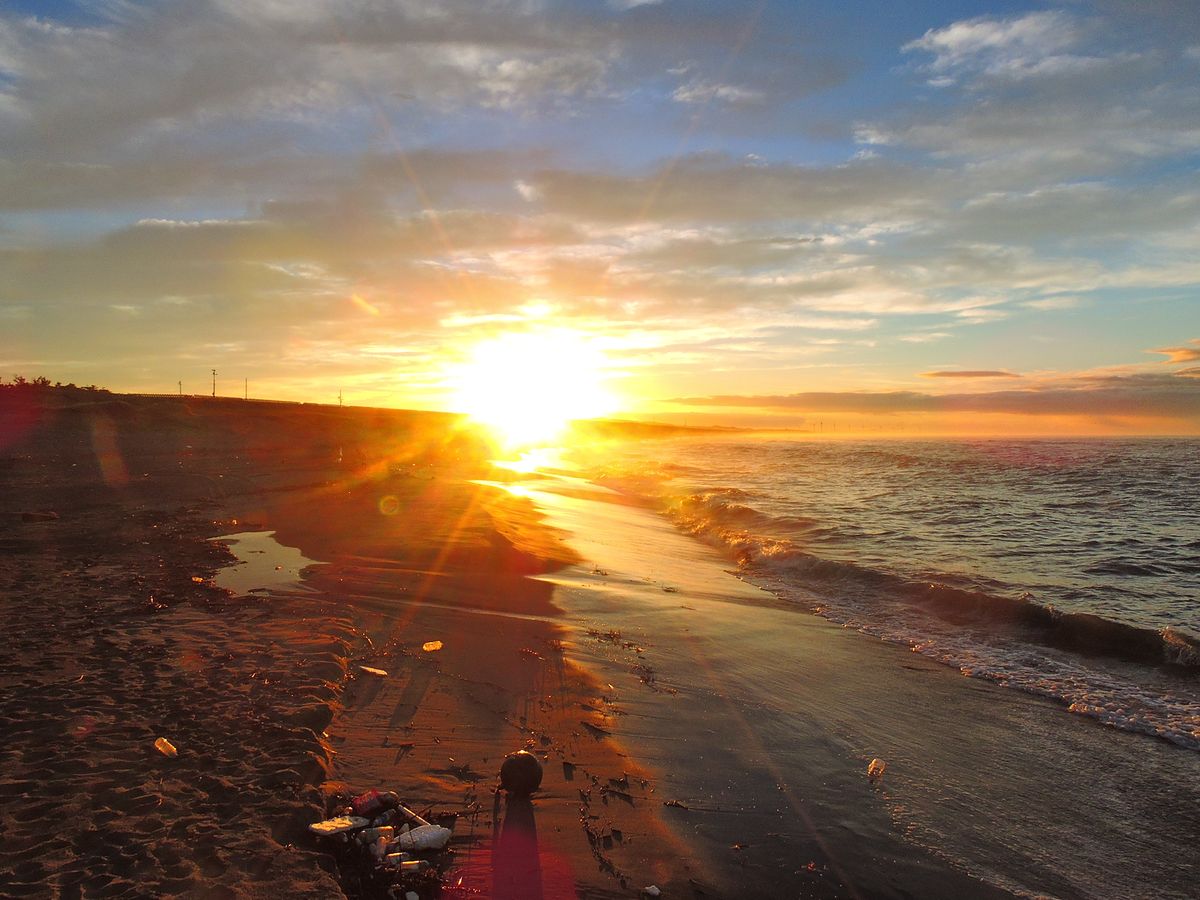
(756, 541)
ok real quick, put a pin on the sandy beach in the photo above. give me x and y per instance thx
(119, 636)
(775, 426)
(696, 734)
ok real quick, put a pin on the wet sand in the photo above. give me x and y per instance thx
(762, 718)
(119, 636)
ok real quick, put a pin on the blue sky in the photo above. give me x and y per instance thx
(737, 202)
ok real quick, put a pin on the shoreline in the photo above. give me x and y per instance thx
(575, 710)
(696, 733)
(702, 666)
(981, 778)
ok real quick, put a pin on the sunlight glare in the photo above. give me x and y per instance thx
(526, 387)
(532, 460)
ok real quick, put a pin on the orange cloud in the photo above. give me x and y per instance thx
(1189, 353)
(971, 373)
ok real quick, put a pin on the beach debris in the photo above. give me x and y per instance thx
(373, 802)
(338, 825)
(674, 803)
(412, 817)
(196, 579)
(424, 837)
(520, 773)
(875, 769)
(372, 836)
(406, 864)
(48, 516)
(431, 646)
(651, 890)
(395, 854)
(371, 670)
(166, 748)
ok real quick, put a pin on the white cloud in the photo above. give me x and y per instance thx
(709, 91)
(527, 191)
(1053, 303)
(979, 315)
(997, 44)
(827, 324)
(159, 70)
(872, 134)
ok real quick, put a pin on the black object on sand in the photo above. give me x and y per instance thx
(520, 773)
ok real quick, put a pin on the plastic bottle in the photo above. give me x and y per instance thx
(424, 837)
(412, 866)
(407, 866)
(371, 835)
(380, 848)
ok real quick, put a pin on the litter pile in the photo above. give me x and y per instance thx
(390, 850)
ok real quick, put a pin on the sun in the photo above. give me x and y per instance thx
(527, 386)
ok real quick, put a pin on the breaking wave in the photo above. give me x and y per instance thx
(1096, 666)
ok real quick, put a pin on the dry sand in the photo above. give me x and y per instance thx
(116, 635)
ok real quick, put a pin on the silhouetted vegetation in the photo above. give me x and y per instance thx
(41, 383)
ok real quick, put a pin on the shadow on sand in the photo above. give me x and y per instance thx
(516, 868)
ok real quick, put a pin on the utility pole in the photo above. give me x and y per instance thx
(246, 389)
(214, 371)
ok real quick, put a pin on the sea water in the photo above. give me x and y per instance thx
(262, 565)
(1065, 568)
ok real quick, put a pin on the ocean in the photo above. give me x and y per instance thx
(1068, 569)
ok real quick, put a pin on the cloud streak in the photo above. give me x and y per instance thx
(971, 373)
(1135, 396)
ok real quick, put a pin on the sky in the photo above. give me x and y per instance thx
(917, 217)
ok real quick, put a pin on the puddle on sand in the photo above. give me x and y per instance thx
(264, 565)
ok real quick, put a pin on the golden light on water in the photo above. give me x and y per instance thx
(527, 386)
